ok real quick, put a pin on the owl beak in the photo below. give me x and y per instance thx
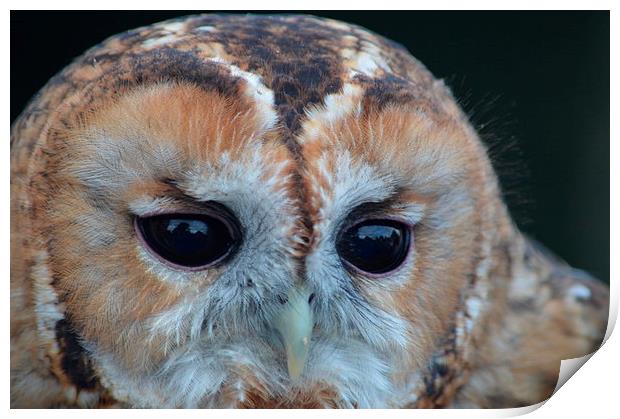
(295, 324)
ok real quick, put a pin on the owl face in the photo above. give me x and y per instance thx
(241, 237)
(270, 231)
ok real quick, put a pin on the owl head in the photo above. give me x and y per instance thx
(228, 211)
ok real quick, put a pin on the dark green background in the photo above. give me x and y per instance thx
(536, 84)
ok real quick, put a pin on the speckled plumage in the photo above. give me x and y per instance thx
(299, 120)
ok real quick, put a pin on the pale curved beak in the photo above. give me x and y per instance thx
(295, 323)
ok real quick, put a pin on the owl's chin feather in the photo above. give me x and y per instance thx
(250, 371)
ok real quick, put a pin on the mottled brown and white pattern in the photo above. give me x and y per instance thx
(292, 123)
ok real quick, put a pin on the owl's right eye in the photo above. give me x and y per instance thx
(375, 247)
(194, 241)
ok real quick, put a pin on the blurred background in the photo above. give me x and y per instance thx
(535, 84)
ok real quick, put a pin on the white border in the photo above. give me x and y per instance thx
(590, 393)
(314, 5)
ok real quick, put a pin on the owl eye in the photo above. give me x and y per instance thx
(188, 240)
(375, 246)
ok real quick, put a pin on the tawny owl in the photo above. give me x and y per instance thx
(255, 211)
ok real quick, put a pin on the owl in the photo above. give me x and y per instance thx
(273, 211)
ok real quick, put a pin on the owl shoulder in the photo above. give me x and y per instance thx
(546, 312)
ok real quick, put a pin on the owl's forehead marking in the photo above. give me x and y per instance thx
(206, 28)
(294, 57)
(155, 42)
(256, 91)
(335, 107)
(167, 32)
(173, 26)
(367, 60)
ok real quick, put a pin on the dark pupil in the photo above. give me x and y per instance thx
(189, 240)
(375, 246)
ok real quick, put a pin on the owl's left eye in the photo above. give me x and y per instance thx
(193, 241)
(375, 246)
